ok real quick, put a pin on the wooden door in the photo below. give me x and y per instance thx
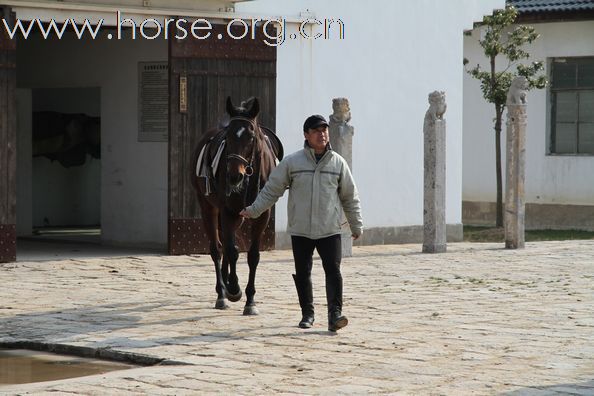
(202, 73)
(7, 142)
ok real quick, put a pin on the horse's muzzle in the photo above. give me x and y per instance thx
(236, 180)
(235, 184)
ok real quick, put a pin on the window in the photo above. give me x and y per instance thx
(572, 110)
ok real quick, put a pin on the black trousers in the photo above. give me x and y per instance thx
(330, 251)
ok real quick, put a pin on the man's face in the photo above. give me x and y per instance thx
(317, 138)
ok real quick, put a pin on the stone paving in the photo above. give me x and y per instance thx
(477, 320)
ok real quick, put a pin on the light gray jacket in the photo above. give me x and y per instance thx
(317, 191)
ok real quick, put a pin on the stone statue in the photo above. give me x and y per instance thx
(342, 111)
(434, 205)
(437, 107)
(341, 132)
(341, 139)
(515, 196)
(517, 91)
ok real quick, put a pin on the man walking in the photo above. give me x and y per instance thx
(320, 183)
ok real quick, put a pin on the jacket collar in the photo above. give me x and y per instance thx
(312, 154)
(307, 146)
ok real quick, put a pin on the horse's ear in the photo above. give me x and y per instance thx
(230, 108)
(255, 109)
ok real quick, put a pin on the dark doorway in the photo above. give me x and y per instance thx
(66, 161)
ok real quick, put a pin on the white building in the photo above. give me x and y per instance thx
(392, 54)
(560, 136)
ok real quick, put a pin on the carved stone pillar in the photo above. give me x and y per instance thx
(341, 139)
(515, 202)
(434, 131)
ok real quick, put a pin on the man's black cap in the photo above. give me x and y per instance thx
(314, 121)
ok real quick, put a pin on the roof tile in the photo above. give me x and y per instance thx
(538, 6)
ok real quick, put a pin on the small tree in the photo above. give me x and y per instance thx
(500, 39)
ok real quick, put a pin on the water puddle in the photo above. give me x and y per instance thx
(21, 366)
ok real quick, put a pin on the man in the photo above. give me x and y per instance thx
(320, 183)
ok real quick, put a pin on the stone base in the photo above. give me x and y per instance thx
(510, 244)
(434, 248)
(538, 216)
(384, 236)
(347, 244)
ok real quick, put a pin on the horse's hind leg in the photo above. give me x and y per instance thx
(225, 271)
(225, 267)
(210, 221)
(258, 227)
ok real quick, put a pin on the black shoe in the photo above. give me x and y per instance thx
(305, 294)
(306, 322)
(336, 321)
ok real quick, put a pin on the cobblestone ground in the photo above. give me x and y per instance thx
(477, 320)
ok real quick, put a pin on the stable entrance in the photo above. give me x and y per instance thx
(202, 75)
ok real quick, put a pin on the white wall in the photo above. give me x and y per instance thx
(549, 178)
(66, 197)
(394, 53)
(134, 175)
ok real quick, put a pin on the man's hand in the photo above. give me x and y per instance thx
(355, 237)
(243, 213)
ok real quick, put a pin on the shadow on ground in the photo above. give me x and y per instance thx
(91, 326)
(582, 388)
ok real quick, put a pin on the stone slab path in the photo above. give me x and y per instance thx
(477, 320)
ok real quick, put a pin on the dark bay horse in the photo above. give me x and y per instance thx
(231, 164)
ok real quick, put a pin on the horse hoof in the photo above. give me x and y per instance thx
(221, 304)
(250, 310)
(233, 297)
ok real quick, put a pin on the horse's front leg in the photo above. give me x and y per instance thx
(258, 227)
(229, 224)
(220, 285)
(210, 219)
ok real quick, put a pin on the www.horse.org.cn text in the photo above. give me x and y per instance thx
(273, 32)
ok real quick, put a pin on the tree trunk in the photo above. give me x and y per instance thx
(499, 207)
(498, 116)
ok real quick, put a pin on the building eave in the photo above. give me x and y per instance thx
(95, 9)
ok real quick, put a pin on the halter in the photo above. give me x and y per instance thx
(249, 167)
(239, 118)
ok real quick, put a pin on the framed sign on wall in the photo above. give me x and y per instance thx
(153, 96)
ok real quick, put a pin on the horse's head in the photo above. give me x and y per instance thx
(241, 143)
